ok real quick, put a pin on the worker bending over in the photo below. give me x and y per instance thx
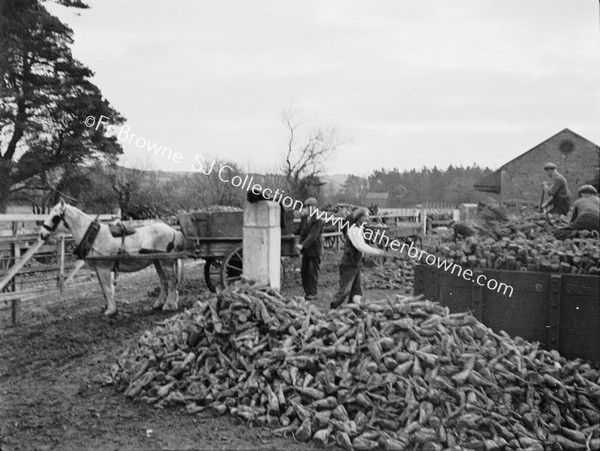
(351, 262)
(586, 210)
(557, 192)
(586, 213)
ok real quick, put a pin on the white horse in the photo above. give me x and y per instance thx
(152, 238)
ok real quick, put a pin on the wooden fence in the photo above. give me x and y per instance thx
(394, 217)
(30, 268)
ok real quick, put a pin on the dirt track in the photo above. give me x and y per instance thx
(51, 391)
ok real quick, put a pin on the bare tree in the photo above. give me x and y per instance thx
(207, 188)
(309, 147)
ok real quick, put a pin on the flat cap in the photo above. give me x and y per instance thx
(549, 166)
(311, 201)
(588, 189)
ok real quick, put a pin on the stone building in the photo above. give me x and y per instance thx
(519, 182)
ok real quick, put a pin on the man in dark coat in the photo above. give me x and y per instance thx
(351, 262)
(557, 191)
(311, 247)
(586, 210)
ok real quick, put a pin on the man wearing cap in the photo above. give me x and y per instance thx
(557, 191)
(351, 261)
(586, 210)
(311, 247)
(461, 230)
(586, 214)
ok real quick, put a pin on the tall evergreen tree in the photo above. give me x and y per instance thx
(45, 97)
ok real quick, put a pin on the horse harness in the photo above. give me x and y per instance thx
(85, 245)
(118, 230)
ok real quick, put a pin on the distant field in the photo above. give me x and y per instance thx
(17, 209)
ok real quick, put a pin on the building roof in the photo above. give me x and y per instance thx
(541, 144)
(492, 183)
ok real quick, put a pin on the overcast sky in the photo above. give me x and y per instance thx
(407, 82)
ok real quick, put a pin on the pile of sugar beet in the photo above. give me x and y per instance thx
(392, 274)
(524, 243)
(399, 373)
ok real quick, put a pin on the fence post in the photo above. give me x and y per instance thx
(16, 256)
(15, 306)
(61, 263)
(338, 238)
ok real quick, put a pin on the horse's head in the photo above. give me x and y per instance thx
(56, 216)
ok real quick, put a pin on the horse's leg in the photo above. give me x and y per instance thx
(164, 288)
(108, 289)
(168, 267)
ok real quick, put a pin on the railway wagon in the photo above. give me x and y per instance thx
(560, 311)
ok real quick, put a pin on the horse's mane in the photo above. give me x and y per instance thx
(77, 210)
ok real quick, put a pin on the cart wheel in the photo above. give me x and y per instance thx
(212, 274)
(329, 242)
(231, 267)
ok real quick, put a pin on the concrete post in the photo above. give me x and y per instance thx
(262, 243)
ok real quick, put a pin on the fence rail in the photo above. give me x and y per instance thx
(29, 267)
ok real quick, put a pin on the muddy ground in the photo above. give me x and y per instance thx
(51, 394)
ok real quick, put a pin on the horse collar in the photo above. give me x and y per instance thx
(86, 243)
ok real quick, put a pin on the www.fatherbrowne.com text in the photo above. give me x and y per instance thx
(227, 175)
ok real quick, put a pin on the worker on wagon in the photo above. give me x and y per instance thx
(586, 210)
(556, 190)
(311, 247)
(461, 230)
(351, 262)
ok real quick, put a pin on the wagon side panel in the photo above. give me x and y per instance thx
(579, 328)
(456, 293)
(426, 282)
(525, 313)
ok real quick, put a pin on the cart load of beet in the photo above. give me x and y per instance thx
(394, 374)
(525, 244)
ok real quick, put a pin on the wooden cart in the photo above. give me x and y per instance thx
(216, 237)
